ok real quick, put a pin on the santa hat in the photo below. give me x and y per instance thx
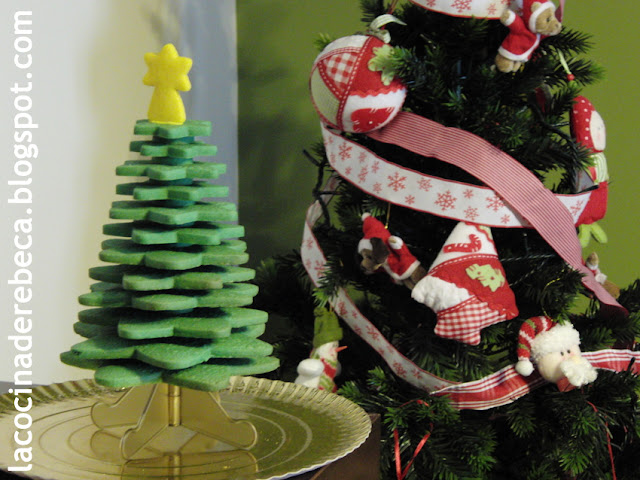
(372, 228)
(530, 18)
(540, 336)
(400, 263)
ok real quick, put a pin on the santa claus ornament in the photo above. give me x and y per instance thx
(588, 128)
(349, 90)
(555, 350)
(466, 285)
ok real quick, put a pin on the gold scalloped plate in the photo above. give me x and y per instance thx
(299, 429)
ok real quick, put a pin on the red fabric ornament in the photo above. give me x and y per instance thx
(466, 285)
(400, 263)
(587, 125)
(523, 40)
(588, 128)
(346, 93)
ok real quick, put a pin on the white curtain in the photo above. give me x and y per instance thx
(86, 73)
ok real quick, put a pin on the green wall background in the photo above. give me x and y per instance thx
(277, 120)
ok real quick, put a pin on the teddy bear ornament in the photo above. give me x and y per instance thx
(536, 21)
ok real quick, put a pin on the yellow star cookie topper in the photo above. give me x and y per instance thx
(167, 73)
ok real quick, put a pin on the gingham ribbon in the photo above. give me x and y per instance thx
(499, 388)
(510, 180)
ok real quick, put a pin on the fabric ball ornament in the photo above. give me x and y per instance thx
(466, 285)
(347, 93)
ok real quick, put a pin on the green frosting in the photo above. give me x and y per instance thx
(170, 170)
(112, 295)
(169, 215)
(171, 353)
(171, 307)
(146, 279)
(197, 323)
(190, 128)
(199, 233)
(230, 252)
(194, 192)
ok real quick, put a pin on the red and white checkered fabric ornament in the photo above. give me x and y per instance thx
(347, 93)
(466, 285)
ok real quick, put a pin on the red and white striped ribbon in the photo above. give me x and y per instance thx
(315, 263)
(511, 181)
(408, 188)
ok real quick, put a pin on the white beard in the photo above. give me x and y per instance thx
(578, 371)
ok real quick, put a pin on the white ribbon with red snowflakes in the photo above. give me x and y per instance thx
(514, 183)
(499, 388)
(489, 9)
(426, 193)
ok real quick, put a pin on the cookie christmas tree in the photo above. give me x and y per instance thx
(474, 244)
(173, 306)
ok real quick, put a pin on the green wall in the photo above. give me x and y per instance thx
(616, 39)
(277, 120)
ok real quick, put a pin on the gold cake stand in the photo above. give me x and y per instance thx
(275, 430)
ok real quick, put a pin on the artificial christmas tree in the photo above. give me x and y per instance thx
(473, 149)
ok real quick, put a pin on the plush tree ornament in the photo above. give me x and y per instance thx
(466, 285)
(349, 89)
(525, 32)
(321, 368)
(588, 128)
(555, 350)
(593, 264)
(382, 251)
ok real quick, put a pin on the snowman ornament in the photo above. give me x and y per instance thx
(321, 368)
(555, 350)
